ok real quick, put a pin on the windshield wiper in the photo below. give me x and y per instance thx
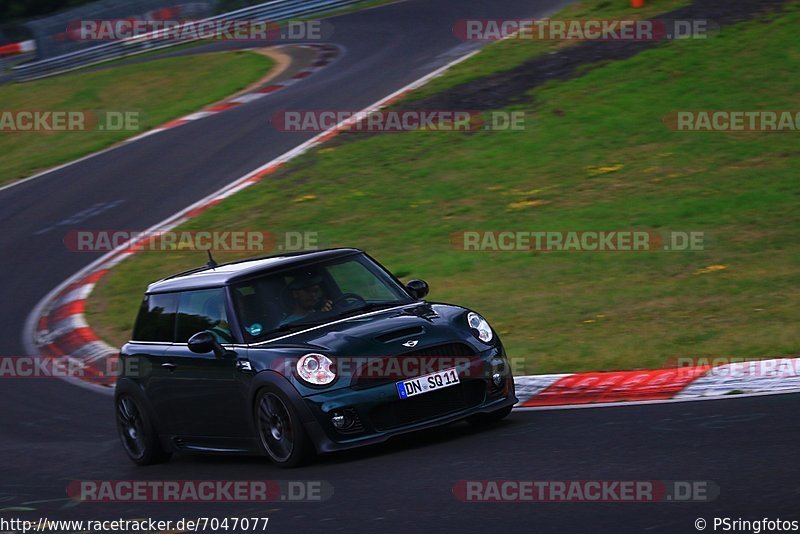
(369, 307)
(286, 328)
(297, 324)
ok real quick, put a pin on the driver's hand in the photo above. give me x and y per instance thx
(327, 306)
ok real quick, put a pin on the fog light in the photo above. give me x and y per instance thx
(339, 420)
(498, 371)
(346, 420)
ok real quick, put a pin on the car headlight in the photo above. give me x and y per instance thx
(316, 369)
(479, 327)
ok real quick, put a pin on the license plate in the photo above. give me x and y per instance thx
(427, 383)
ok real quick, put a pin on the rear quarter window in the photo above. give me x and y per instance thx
(156, 319)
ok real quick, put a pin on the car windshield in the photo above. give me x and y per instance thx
(313, 294)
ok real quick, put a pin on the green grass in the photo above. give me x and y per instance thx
(159, 91)
(402, 196)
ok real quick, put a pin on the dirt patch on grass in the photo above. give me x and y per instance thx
(281, 60)
(509, 87)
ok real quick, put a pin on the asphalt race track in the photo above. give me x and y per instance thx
(745, 446)
(53, 432)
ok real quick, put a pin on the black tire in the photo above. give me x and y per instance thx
(281, 433)
(487, 419)
(137, 432)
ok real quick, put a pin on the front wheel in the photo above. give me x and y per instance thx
(280, 430)
(137, 433)
(486, 419)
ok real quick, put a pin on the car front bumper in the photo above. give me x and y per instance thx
(380, 414)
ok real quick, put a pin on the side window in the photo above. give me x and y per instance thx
(156, 320)
(254, 304)
(352, 277)
(202, 310)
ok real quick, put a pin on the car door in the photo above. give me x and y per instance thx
(207, 394)
(144, 356)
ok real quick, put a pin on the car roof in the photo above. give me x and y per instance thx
(227, 273)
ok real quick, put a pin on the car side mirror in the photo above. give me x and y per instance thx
(418, 288)
(204, 342)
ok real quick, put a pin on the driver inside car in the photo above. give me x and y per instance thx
(214, 312)
(307, 297)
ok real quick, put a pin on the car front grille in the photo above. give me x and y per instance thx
(401, 412)
(447, 350)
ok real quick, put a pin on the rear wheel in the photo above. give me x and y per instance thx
(137, 433)
(486, 419)
(280, 430)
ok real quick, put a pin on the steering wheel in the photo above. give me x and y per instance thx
(344, 297)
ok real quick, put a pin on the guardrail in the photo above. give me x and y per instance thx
(274, 11)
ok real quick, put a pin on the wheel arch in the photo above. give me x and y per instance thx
(310, 424)
(273, 378)
(130, 387)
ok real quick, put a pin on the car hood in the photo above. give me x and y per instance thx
(382, 333)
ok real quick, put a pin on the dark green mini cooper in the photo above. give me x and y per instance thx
(299, 354)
